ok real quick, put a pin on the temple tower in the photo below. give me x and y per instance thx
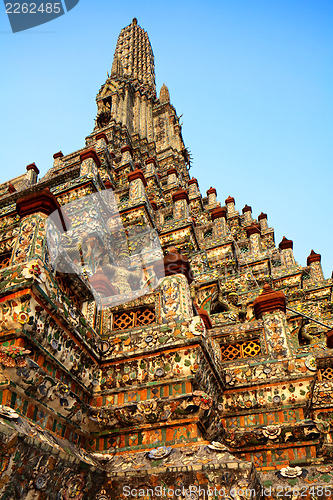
(215, 381)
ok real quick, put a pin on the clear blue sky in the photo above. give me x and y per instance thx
(253, 80)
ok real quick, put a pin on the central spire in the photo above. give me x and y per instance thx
(133, 57)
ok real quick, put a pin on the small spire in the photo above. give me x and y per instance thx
(247, 208)
(230, 199)
(285, 243)
(313, 257)
(164, 94)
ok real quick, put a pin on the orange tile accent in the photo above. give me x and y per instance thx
(143, 394)
(16, 294)
(149, 355)
(49, 424)
(122, 441)
(189, 387)
(169, 433)
(6, 396)
(30, 411)
(20, 342)
(270, 418)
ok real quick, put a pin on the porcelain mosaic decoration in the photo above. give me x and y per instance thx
(154, 341)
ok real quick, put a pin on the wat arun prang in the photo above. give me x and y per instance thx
(216, 382)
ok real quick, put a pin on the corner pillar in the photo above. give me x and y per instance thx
(253, 233)
(287, 254)
(270, 306)
(137, 182)
(262, 218)
(247, 213)
(211, 193)
(90, 163)
(316, 271)
(180, 205)
(218, 216)
(33, 210)
(176, 302)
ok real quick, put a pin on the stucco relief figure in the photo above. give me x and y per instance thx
(115, 262)
(308, 333)
(229, 304)
(74, 488)
(103, 114)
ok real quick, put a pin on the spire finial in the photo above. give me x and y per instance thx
(133, 57)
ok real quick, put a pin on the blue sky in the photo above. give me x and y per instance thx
(253, 80)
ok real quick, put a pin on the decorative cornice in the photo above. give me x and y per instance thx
(32, 166)
(126, 148)
(42, 201)
(253, 229)
(151, 160)
(102, 135)
(218, 212)
(171, 171)
(181, 194)
(90, 153)
(58, 155)
(174, 263)
(137, 174)
(193, 181)
(268, 301)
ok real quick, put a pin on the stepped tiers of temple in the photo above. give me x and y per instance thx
(216, 381)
